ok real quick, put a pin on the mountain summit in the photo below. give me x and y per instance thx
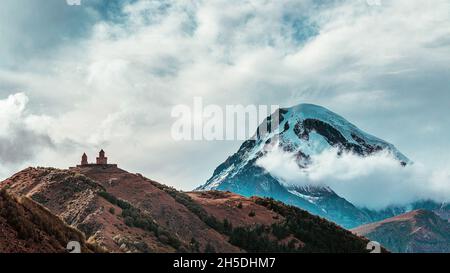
(304, 130)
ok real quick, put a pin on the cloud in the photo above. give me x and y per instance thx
(108, 76)
(20, 137)
(376, 181)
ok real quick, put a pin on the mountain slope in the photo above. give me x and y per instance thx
(418, 231)
(27, 227)
(116, 209)
(124, 212)
(305, 130)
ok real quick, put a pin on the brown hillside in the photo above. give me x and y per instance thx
(26, 226)
(418, 231)
(124, 212)
(235, 208)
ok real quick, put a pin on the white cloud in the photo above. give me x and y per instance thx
(115, 86)
(21, 137)
(375, 181)
(11, 111)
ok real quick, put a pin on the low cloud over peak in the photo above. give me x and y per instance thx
(375, 181)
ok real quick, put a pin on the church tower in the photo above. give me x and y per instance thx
(101, 163)
(101, 159)
(84, 159)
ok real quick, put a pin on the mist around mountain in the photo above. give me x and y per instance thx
(298, 163)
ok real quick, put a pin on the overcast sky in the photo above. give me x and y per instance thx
(106, 74)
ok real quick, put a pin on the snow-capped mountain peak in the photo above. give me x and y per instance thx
(304, 130)
(312, 129)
